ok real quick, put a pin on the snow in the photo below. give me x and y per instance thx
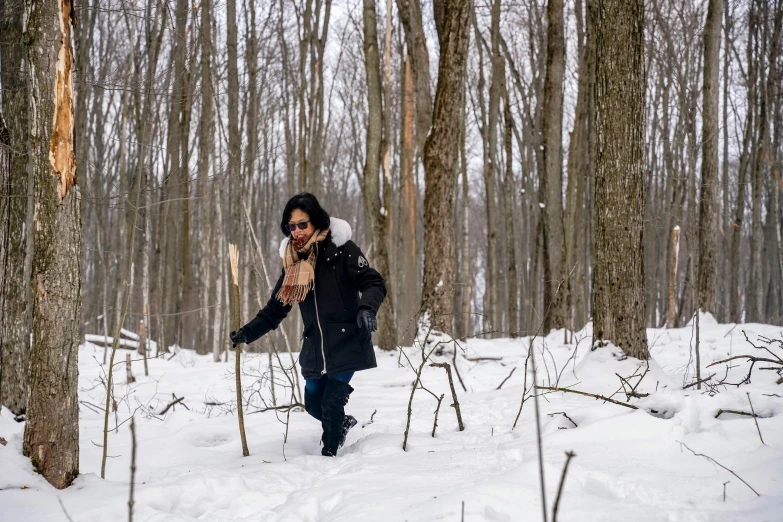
(628, 462)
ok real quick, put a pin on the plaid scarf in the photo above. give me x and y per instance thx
(299, 271)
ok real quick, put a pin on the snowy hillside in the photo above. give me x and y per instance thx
(629, 464)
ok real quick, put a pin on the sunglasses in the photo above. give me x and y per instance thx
(302, 225)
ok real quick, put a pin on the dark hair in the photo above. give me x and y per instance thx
(305, 202)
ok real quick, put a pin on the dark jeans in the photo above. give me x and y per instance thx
(313, 386)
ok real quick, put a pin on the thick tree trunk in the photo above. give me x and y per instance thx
(619, 190)
(708, 203)
(15, 183)
(378, 214)
(440, 162)
(51, 436)
(552, 180)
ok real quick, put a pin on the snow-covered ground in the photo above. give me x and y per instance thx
(629, 464)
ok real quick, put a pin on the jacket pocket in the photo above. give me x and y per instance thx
(346, 344)
(308, 358)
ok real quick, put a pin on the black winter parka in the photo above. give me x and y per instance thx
(344, 284)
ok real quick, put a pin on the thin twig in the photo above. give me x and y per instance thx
(507, 378)
(598, 397)
(564, 414)
(172, 403)
(437, 409)
(569, 456)
(372, 419)
(721, 465)
(132, 469)
(696, 382)
(735, 412)
(749, 357)
(755, 419)
(63, 508)
(447, 367)
(525, 392)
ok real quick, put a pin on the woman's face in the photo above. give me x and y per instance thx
(300, 216)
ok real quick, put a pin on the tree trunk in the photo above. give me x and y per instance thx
(51, 435)
(15, 182)
(508, 197)
(410, 285)
(378, 214)
(466, 286)
(552, 180)
(619, 189)
(415, 41)
(440, 162)
(674, 256)
(708, 207)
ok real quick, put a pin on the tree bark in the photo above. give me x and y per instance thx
(708, 207)
(51, 435)
(440, 163)
(508, 197)
(376, 212)
(15, 185)
(619, 189)
(416, 44)
(409, 297)
(552, 180)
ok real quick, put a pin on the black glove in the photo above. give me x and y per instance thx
(366, 319)
(238, 337)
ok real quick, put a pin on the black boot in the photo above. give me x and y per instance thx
(348, 422)
(335, 398)
(313, 404)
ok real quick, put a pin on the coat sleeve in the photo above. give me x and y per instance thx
(365, 279)
(269, 317)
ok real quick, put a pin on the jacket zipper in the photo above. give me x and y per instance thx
(318, 319)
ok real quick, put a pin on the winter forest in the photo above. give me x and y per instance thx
(575, 206)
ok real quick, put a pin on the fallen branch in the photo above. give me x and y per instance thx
(749, 357)
(735, 412)
(720, 465)
(447, 367)
(507, 378)
(479, 359)
(171, 404)
(597, 397)
(569, 456)
(285, 407)
(564, 414)
(698, 382)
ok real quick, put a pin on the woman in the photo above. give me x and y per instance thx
(338, 295)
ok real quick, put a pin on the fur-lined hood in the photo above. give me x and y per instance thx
(341, 234)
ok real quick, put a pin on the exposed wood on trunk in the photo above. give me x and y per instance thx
(51, 435)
